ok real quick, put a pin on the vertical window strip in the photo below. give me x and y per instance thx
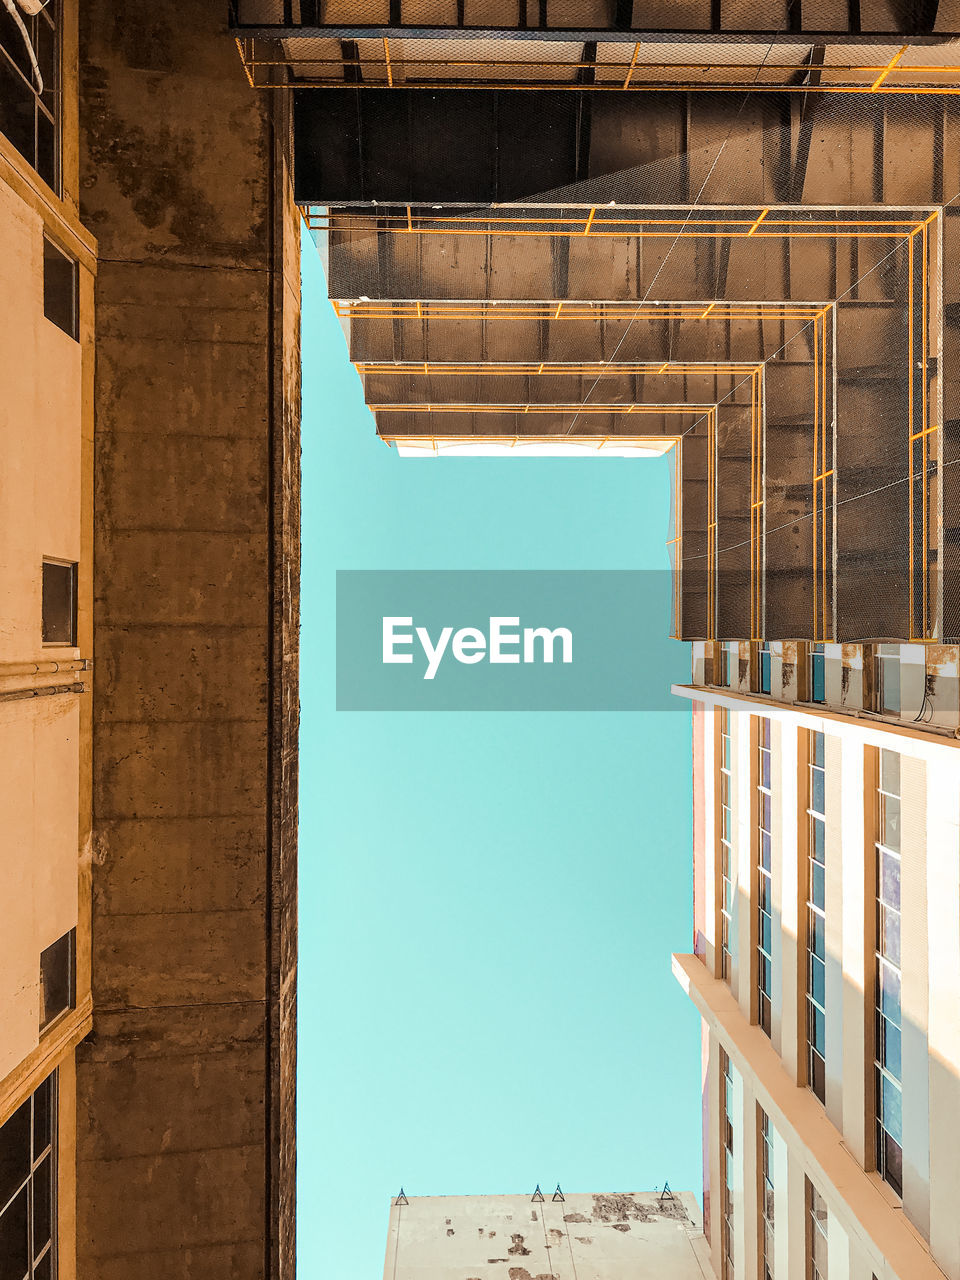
(817, 1268)
(767, 1270)
(764, 662)
(726, 843)
(726, 1157)
(817, 673)
(888, 1083)
(764, 878)
(816, 917)
(31, 122)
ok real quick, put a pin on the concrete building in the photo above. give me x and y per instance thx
(631, 1236)
(149, 523)
(741, 249)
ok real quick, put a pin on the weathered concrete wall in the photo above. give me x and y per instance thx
(186, 1087)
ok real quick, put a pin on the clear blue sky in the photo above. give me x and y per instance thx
(488, 901)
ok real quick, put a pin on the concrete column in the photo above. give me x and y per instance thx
(836, 853)
(796, 1222)
(786, 893)
(914, 999)
(781, 1206)
(186, 1140)
(943, 1028)
(838, 1250)
(856, 793)
(745, 819)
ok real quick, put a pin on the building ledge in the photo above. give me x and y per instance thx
(858, 1198)
(865, 726)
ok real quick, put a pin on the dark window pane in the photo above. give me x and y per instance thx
(815, 936)
(59, 603)
(17, 107)
(42, 1205)
(817, 885)
(43, 1102)
(766, 931)
(819, 833)
(818, 973)
(890, 685)
(818, 1029)
(59, 288)
(56, 979)
(44, 1268)
(818, 1075)
(45, 47)
(765, 820)
(765, 850)
(765, 671)
(817, 750)
(47, 154)
(14, 1152)
(14, 1246)
(893, 1163)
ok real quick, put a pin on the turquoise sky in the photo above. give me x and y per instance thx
(488, 901)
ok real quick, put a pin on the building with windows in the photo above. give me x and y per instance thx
(737, 248)
(149, 526)
(47, 273)
(623, 1236)
(826, 970)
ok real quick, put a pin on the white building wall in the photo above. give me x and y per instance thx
(865, 1238)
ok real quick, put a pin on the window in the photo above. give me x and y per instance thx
(816, 1234)
(763, 672)
(28, 1188)
(727, 878)
(764, 879)
(729, 657)
(59, 605)
(888, 1080)
(60, 289)
(57, 978)
(888, 679)
(30, 119)
(816, 673)
(816, 917)
(726, 1158)
(766, 1197)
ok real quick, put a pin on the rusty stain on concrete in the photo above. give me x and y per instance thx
(518, 1247)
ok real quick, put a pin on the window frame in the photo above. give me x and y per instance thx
(765, 1194)
(50, 1152)
(816, 820)
(74, 565)
(763, 875)
(814, 1229)
(727, 1225)
(50, 16)
(727, 867)
(886, 855)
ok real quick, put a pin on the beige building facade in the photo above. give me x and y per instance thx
(618, 1236)
(149, 330)
(47, 273)
(826, 965)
